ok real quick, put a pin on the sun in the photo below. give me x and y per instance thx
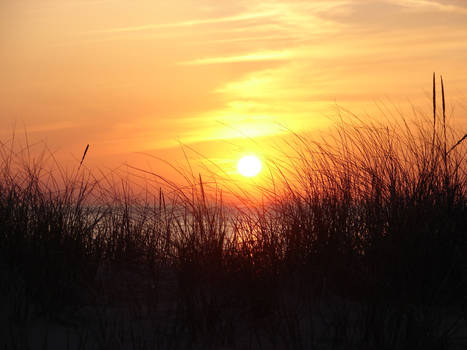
(249, 166)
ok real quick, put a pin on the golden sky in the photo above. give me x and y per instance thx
(143, 76)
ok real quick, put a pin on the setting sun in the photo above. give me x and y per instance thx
(249, 166)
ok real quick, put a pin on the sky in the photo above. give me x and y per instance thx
(137, 78)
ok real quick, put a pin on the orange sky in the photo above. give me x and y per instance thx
(143, 76)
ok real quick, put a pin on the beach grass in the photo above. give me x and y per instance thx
(360, 244)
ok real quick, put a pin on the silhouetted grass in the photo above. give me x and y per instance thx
(361, 244)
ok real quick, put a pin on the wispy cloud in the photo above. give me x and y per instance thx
(263, 38)
(250, 57)
(434, 5)
(189, 23)
(61, 125)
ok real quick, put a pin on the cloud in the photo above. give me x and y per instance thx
(249, 57)
(455, 6)
(188, 23)
(49, 127)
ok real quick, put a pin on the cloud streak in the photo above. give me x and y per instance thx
(249, 57)
(188, 23)
(433, 5)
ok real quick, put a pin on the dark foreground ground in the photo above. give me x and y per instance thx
(127, 311)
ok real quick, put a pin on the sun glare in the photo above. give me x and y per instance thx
(249, 166)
